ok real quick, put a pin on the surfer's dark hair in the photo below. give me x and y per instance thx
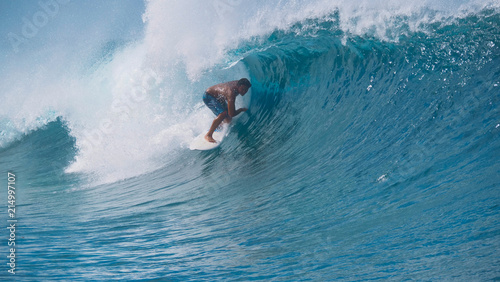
(245, 82)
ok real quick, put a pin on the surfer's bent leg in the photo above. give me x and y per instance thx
(217, 121)
(219, 110)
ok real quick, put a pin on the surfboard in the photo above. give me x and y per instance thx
(199, 142)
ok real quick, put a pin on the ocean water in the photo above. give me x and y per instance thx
(370, 149)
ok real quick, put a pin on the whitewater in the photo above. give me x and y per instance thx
(369, 151)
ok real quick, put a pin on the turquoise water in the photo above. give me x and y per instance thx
(364, 155)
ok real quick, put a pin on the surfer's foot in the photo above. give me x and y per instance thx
(210, 139)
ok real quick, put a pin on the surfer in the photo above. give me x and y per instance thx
(220, 99)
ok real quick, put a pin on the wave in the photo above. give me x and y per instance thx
(131, 104)
(367, 100)
(369, 150)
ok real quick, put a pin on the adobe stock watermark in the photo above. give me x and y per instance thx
(224, 7)
(11, 221)
(32, 25)
(121, 108)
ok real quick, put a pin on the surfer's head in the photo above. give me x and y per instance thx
(243, 86)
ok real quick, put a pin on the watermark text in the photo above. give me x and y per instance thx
(11, 221)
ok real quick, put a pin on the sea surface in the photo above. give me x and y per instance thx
(370, 150)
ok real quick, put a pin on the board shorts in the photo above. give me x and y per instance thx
(213, 104)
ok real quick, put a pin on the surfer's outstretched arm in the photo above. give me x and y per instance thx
(231, 109)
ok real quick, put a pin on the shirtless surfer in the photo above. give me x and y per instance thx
(220, 99)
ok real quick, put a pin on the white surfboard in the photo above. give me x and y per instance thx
(200, 143)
